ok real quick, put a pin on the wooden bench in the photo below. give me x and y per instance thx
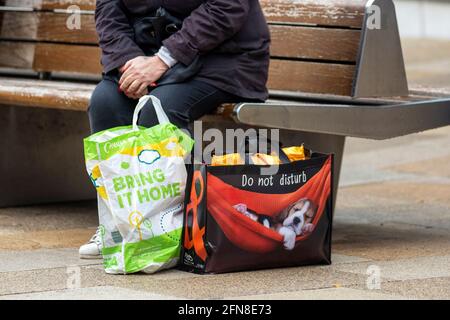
(330, 77)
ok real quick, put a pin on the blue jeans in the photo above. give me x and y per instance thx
(183, 103)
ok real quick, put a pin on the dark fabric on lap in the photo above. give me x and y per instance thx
(183, 103)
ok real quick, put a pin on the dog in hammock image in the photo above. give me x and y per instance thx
(296, 220)
(293, 221)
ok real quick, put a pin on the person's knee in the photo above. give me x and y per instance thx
(101, 100)
(108, 108)
(178, 118)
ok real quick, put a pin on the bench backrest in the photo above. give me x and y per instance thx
(318, 47)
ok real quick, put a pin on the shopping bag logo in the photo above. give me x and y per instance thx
(149, 156)
(197, 232)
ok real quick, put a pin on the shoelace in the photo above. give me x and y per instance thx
(96, 238)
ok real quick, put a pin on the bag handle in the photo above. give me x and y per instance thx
(160, 114)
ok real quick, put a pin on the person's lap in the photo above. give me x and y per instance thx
(183, 103)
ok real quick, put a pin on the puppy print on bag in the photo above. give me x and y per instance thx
(296, 221)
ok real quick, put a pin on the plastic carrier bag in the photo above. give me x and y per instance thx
(140, 177)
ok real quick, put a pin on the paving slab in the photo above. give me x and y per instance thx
(57, 279)
(433, 288)
(436, 167)
(97, 293)
(408, 193)
(58, 216)
(404, 269)
(181, 284)
(388, 203)
(324, 294)
(389, 241)
(42, 259)
(366, 161)
(254, 282)
(337, 258)
(57, 238)
(380, 211)
(51, 279)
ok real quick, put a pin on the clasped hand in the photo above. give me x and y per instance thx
(140, 73)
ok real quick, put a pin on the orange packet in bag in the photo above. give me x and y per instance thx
(262, 159)
(296, 153)
(232, 159)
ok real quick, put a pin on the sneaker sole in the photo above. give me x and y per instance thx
(90, 257)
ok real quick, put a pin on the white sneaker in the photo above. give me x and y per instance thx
(92, 249)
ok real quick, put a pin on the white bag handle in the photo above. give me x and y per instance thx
(162, 116)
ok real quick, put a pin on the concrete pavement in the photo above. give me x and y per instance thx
(393, 214)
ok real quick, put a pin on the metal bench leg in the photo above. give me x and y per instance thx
(42, 156)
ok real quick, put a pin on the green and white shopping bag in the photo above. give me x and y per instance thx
(140, 177)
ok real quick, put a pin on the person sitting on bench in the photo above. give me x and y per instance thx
(219, 54)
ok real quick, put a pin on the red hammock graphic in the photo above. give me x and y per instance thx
(250, 235)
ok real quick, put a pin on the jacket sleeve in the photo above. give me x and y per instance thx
(210, 24)
(116, 36)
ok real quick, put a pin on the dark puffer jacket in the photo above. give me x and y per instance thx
(231, 38)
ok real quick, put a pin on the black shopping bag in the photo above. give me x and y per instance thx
(237, 219)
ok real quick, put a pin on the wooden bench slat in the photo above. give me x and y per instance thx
(315, 43)
(67, 58)
(46, 26)
(311, 77)
(60, 95)
(16, 55)
(45, 94)
(18, 25)
(342, 13)
(49, 4)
